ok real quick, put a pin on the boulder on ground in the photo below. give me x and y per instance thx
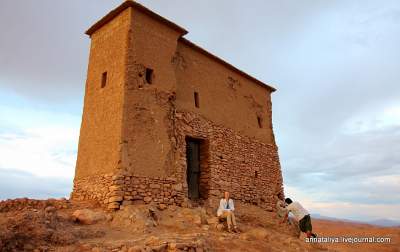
(162, 206)
(87, 216)
(257, 233)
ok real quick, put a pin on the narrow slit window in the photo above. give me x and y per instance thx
(196, 100)
(103, 79)
(259, 120)
(149, 75)
(256, 174)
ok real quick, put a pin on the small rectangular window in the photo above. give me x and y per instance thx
(256, 174)
(103, 79)
(149, 75)
(196, 99)
(259, 120)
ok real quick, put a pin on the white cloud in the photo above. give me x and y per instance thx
(41, 151)
(38, 141)
(384, 118)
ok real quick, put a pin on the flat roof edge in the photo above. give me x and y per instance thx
(131, 3)
(127, 4)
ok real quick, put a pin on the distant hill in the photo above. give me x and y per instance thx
(385, 223)
(377, 222)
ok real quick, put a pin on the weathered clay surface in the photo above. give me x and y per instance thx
(132, 146)
(245, 166)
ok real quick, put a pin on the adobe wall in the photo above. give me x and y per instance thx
(144, 169)
(100, 135)
(226, 97)
(242, 165)
(132, 145)
(148, 108)
(242, 157)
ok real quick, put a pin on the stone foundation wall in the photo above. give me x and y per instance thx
(246, 167)
(230, 161)
(94, 188)
(114, 191)
(32, 204)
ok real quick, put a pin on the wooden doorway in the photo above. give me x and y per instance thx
(198, 170)
(193, 168)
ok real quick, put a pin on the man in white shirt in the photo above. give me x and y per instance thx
(281, 211)
(301, 215)
(226, 211)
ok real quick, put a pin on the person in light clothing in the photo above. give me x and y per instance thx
(226, 211)
(281, 210)
(301, 215)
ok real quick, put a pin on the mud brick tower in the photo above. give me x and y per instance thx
(167, 122)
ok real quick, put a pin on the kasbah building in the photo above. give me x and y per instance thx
(167, 123)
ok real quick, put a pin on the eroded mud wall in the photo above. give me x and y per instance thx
(149, 98)
(225, 97)
(100, 135)
(132, 144)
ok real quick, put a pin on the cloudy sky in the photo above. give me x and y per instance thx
(336, 65)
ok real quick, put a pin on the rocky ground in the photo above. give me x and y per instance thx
(61, 225)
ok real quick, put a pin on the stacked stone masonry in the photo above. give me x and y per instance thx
(112, 191)
(249, 169)
(242, 165)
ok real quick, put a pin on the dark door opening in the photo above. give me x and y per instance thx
(193, 168)
(198, 170)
